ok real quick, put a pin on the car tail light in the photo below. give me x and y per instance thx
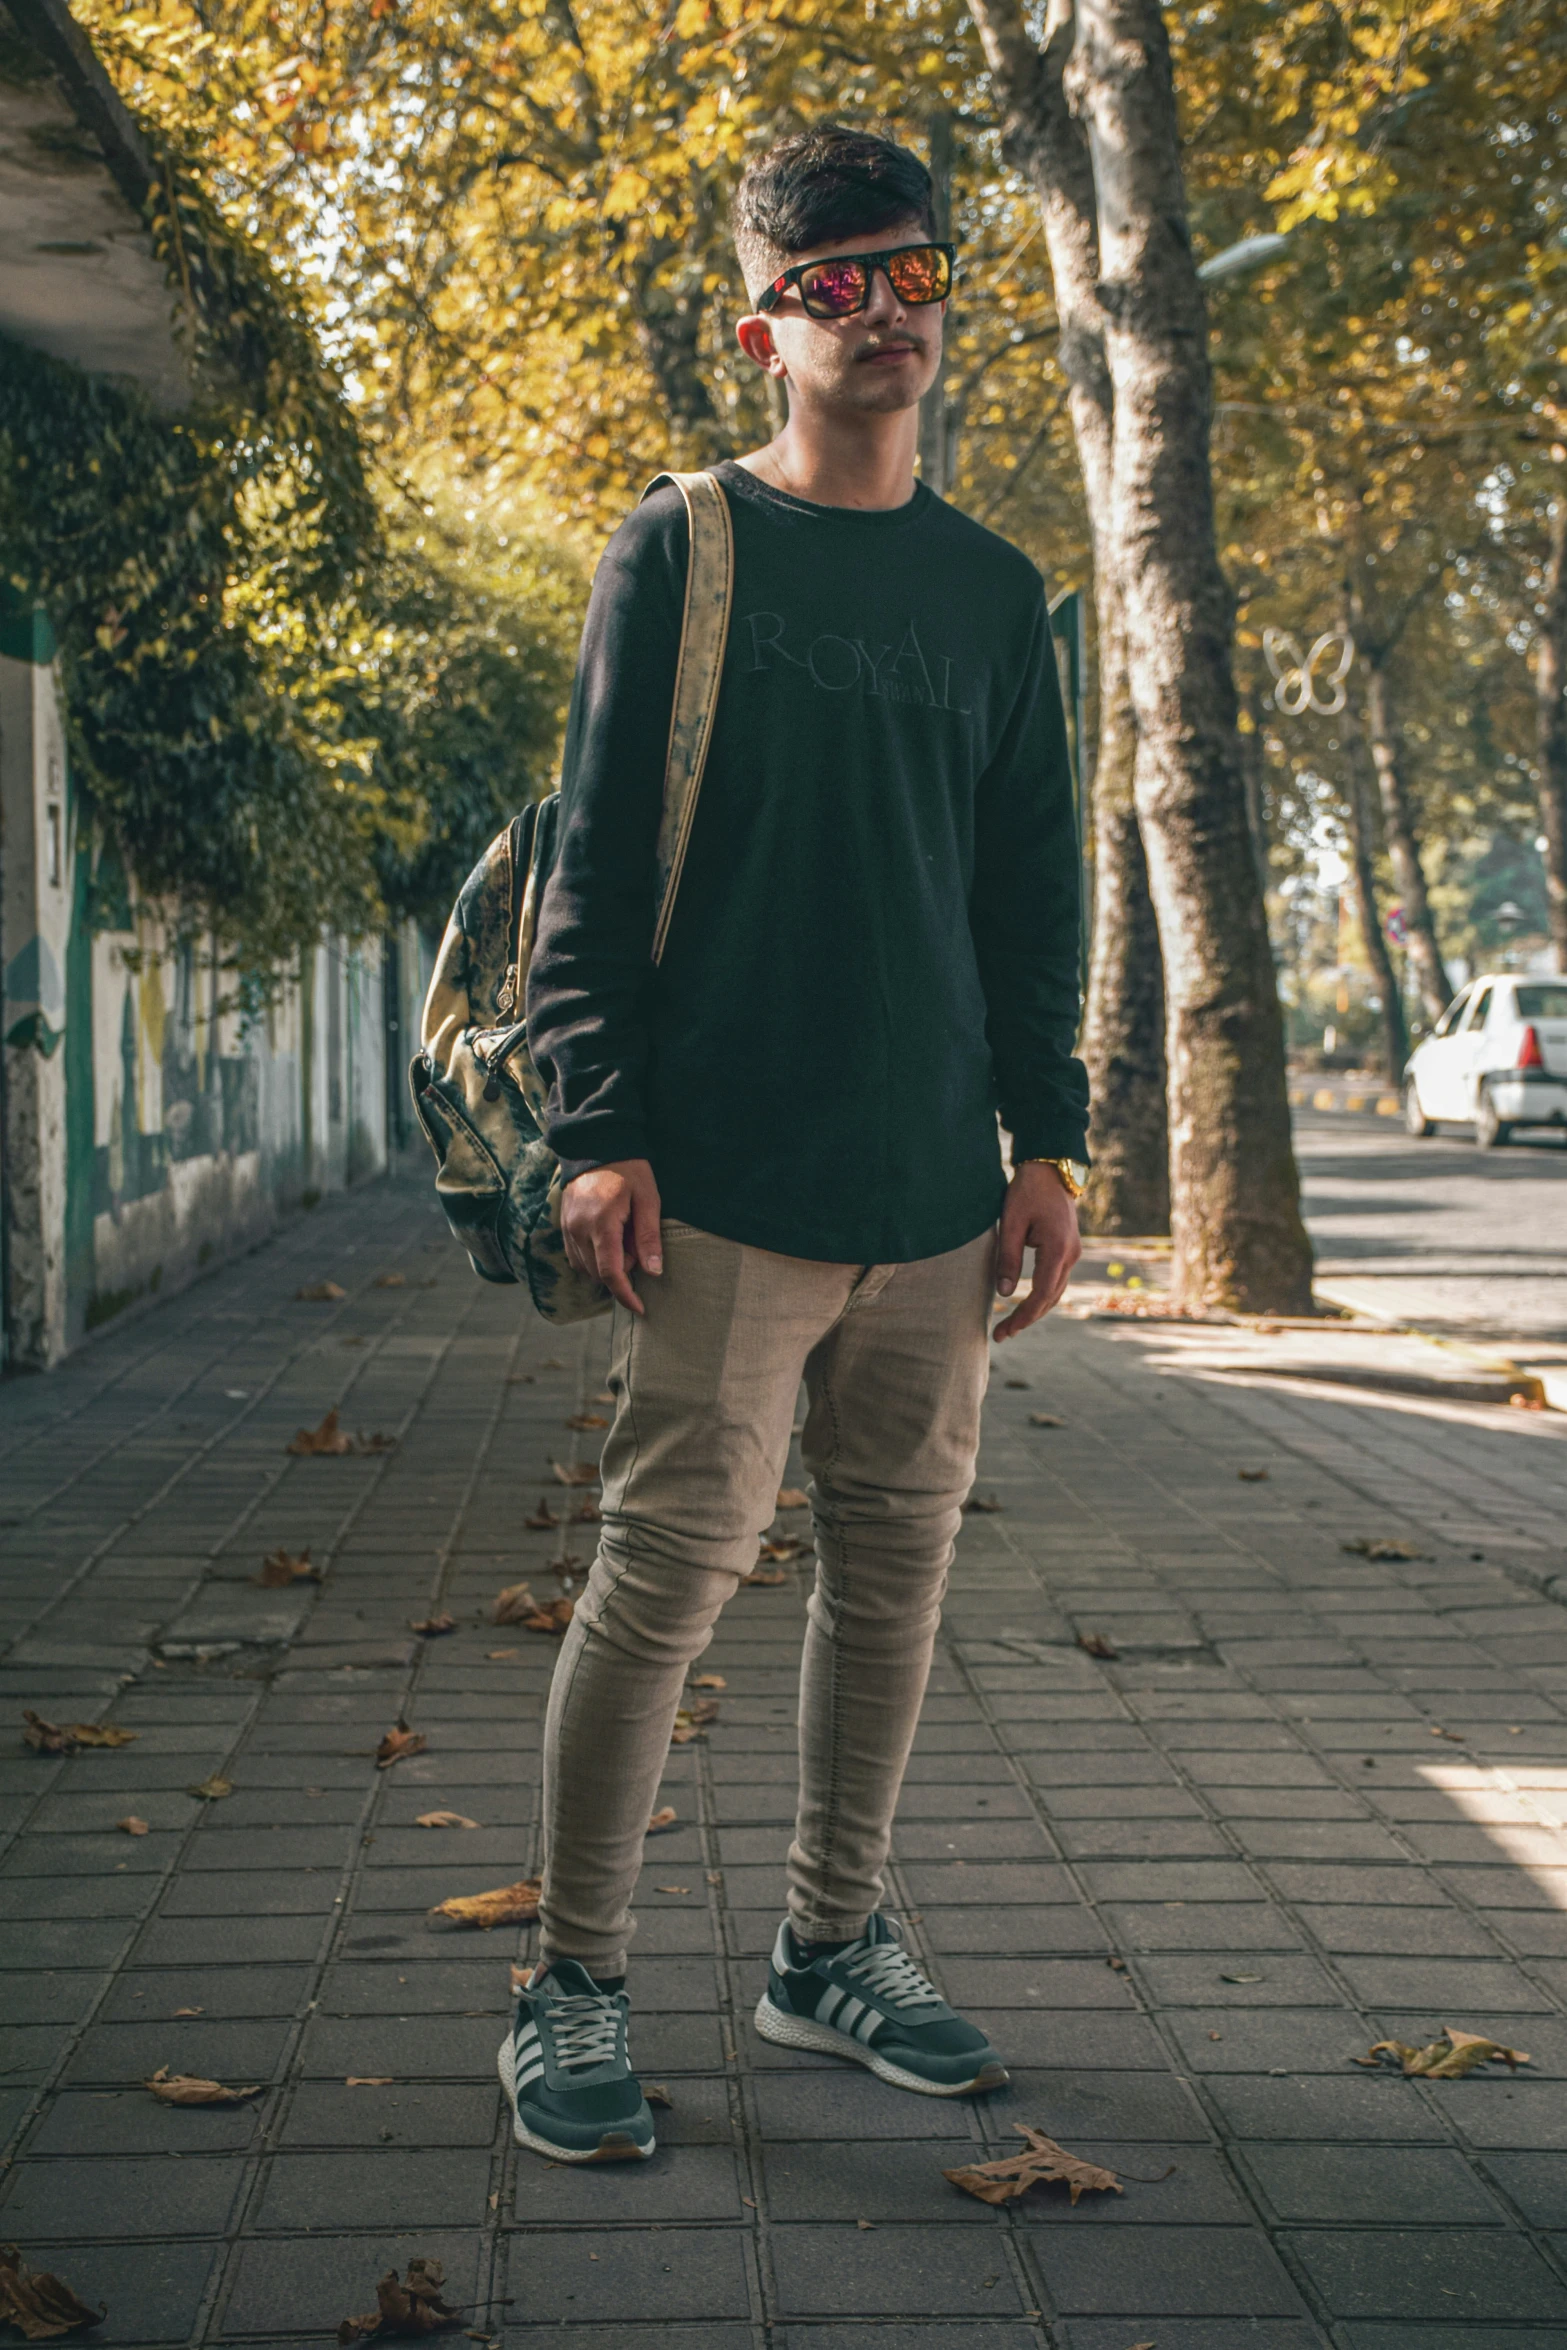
(1529, 1053)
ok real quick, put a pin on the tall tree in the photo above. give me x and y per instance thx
(1123, 1030)
(1550, 693)
(1235, 1211)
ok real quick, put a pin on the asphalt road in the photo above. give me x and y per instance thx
(1438, 1233)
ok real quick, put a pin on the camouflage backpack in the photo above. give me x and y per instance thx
(477, 1093)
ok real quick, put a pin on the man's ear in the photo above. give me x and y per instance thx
(754, 334)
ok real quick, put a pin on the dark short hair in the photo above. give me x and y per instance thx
(818, 186)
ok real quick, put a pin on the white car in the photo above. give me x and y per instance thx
(1496, 1059)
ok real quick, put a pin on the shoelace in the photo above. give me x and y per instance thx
(585, 2031)
(889, 1971)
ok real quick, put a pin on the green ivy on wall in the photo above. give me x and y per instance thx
(286, 716)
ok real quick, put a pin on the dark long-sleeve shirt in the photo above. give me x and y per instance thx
(875, 942)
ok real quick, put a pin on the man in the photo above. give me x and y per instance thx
(781, 1143)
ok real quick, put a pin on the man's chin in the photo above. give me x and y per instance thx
(884, 389)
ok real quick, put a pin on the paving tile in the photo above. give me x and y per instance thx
(1383, 2109)
(1389, 2186)
(90, 2197)
(1168, 2271)
(892, 2271)
(893, 2182)
(401, 2188)
(599, 2276)
(152, 2289)
(128, 2121)
(1447, 2273)
(284, 2289)
(113, 2054)
(683, 2182)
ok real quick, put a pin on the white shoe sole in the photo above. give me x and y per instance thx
(614, 2146)
(802, 2031)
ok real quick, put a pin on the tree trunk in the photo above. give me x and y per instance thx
(1236, 1223)
(935, 452)
(1362, 840)
(1123, 1030)
(1403, 846)
(1550, 700)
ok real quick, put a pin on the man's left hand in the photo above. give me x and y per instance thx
(1039, 1213)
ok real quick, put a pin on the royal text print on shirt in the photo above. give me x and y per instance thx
(845, 664)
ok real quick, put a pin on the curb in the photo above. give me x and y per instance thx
(1377, 1100)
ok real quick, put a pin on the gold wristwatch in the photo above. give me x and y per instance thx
(1072, 1172)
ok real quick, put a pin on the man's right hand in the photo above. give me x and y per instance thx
(609, 1220)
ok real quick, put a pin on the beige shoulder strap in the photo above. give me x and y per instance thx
(704, 633)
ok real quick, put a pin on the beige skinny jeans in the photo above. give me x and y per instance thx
(895, 1360)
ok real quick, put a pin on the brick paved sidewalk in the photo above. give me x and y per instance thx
(1316, 1801)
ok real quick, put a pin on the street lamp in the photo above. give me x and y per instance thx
(1510, 919)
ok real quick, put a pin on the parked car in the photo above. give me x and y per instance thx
(1496, 1059)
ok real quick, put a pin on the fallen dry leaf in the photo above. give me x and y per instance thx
(39, 2305)
(1252, 1476)
(407, 2310)
(543, 1516)
(328, 1438)
(1380, 1547)
(791, 1498)
(182, 2013)
(587, 1420)
(519, 1379)
(1020, 1383)
(764, 1576)
(280, 1568)
(1044, 1420)
(320, 1293)
(671, 1888)
(398, 1745)
(131, 1825)
(1447, 2058)
(517, 1605)
(692, 1720)
(662, 1820)
(390, 1281)
(444, 1819)
(370, 2081)
(432, 1627)
(575, 1472)
(709, 1681)
(587, 1513)
(566, 1564)
(189, 2089)
(212, 1790)
(1042, 2161)
(512, 1604)
(657, 2093)
(496, 1656)
(506, 1905)
(66, 1737)
(985, 1504)
(787, 1546)
(1095, 1644)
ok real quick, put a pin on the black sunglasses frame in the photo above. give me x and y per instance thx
(870, 263)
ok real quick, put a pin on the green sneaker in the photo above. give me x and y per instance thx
(566, 2070)
(870, 2002)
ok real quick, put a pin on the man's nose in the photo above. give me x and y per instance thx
(882, 306)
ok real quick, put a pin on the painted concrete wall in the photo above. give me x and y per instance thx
(148, 1130)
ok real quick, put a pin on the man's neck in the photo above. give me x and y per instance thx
(863, 461)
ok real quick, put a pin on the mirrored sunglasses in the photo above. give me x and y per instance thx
(841, 286)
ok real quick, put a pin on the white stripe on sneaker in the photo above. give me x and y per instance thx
(867, 2025)
(829, 2003)
(849, 2015)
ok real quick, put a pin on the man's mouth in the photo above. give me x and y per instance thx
(887, 351)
